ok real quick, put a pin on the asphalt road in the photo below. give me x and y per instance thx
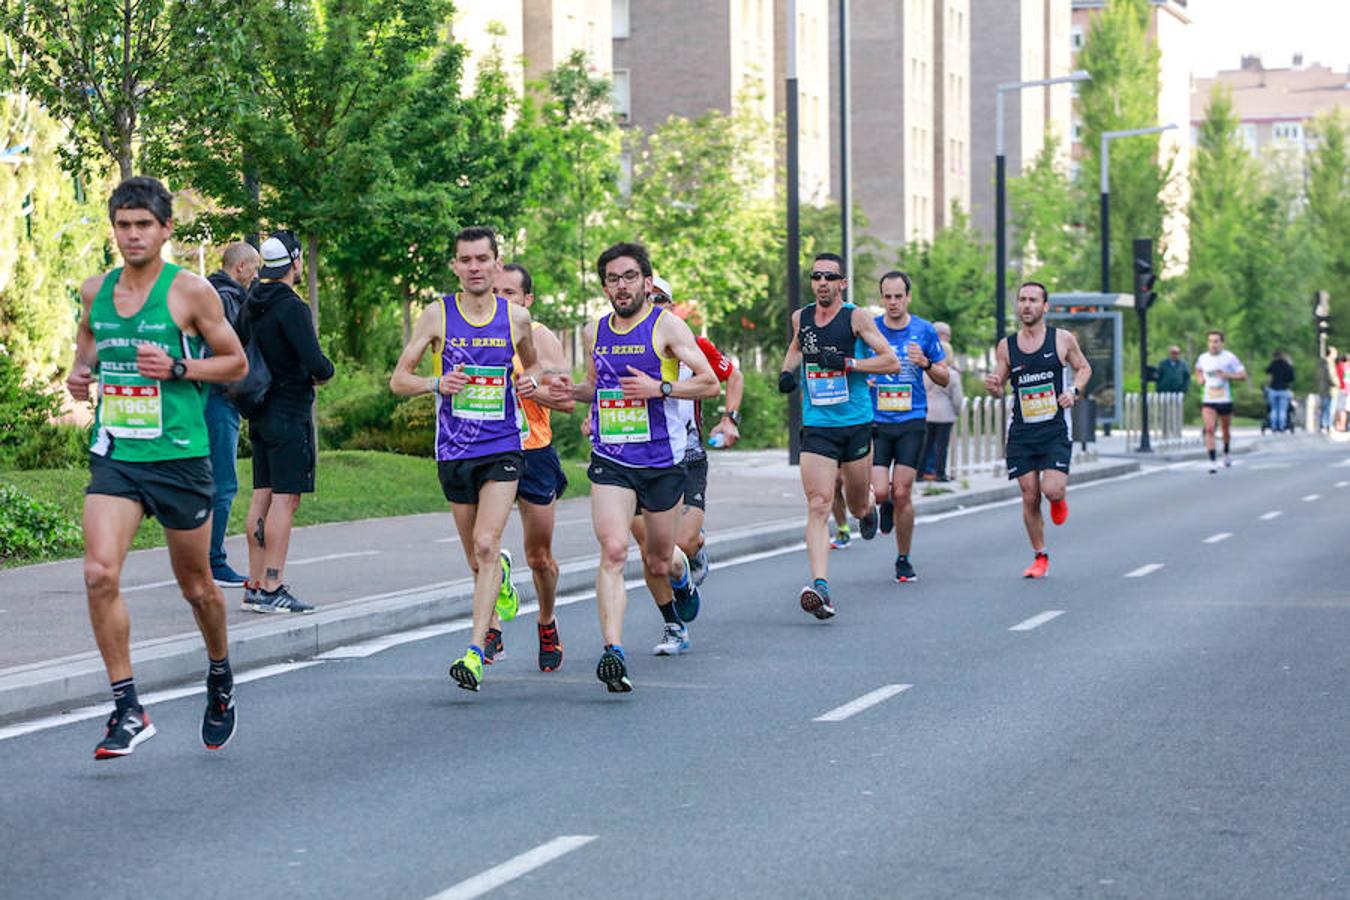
(1177, 731)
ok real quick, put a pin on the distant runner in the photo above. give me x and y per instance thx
(1215, 372)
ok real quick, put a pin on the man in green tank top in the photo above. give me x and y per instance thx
(139, 355)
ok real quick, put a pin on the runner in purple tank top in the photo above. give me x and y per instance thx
(475, 335)
(637, 438)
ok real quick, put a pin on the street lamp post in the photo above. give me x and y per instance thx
(1322, 316)
(794, 253)
(1001, 194)
(845, 177)
(1107, 137)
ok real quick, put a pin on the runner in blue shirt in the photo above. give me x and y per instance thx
(900, 411)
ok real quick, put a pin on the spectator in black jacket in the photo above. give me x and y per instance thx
(1279, 392)
(284, 451)
(238, 266)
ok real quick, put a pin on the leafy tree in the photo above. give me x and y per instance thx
(1123, 94)
(1049, 240)
(951, 281)
(1329, 214)
(99, 65)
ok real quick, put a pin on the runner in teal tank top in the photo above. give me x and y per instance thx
(138, 354)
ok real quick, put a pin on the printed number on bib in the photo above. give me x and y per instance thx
(622, 421)
(1038, 402)
(826, 387)
(1216, 393)
(131, 406)
(484, 397)
(895, 397)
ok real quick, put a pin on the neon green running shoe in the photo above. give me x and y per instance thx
(468, 670)
(508, 600)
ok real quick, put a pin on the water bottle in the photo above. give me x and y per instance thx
(717, 441)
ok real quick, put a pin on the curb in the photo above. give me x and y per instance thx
(74, 681)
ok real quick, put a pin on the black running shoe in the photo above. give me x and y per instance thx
(219, 721)
(815, 599)
(126, 729)
(867, 525)
(904, 571)
(493, 649)
(612, 671)
(550, 648)
(887, 517)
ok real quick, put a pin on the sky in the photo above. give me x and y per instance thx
(1225, 30)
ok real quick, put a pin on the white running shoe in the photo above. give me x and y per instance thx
(674, 640)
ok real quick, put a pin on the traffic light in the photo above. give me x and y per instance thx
(1144, 279)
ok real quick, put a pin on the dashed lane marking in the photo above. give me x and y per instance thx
(1144, 570)
(1309, 498)
(870, 699)
(515, 867)
(1273, 514)
(1037, 620)
(1216, 538)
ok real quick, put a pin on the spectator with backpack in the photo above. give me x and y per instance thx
(278, 328)
(238, 266)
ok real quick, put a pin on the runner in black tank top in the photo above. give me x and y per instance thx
(1039, 443)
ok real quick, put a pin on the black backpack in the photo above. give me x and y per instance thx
(250, 393)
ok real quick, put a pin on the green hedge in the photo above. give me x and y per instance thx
(31, 529)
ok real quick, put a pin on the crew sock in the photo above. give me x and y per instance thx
(124, 694)
(668, 613)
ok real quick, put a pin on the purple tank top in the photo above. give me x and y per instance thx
(480, 419)
(640, 433)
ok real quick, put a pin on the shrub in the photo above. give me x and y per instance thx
(763, 413)
(356, 400)
(28, 437)
(30, 529)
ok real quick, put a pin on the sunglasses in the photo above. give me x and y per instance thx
(658, 298)
(826, 276)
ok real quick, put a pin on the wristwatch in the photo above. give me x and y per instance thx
(734, 416)
(177, 370)
(1076, 392)
(666, 388)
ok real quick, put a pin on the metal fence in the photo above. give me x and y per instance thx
(1165, 420)
(977, 437)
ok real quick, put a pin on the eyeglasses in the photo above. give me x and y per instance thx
(629, 277)
(658, 298)
(826, 276)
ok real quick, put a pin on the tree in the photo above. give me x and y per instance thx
(951, 281)
(1049, 239)
(1123, 94)
(1329, 214)
(98, 65)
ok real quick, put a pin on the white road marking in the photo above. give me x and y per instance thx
(1342, 483)
(1342, 464)
(1144, 570)
(853, 707)
(1311, 497)
(515, 867)
(558, 524)
(95, 712)
(1261, 467)
(1037, 620)
(151, 585)
(1216, 538)
(148, 586)
(1273, 514)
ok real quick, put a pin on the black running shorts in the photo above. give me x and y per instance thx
(1039, 456)
(657, 489)
(462, 479)
(898, 443)
(544, 480)
(283, 451)
(1223, 409)
(845, 443)
(177, 492)
(696, 482)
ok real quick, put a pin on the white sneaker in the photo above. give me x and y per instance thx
(674, 640)
(1227, 461)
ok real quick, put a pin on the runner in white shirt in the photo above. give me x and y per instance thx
(1215, 371)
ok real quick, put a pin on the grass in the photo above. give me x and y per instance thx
(351, 484)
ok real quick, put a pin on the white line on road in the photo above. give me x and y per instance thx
(1037, 620)
(1273, 514)
(1216, 538)
(151, 585)
(93, 712)
(853, 707)
(1342, 483)
(454, 539)
(515, 867)
(1341, 465)
(1311, 497)
(1144, 570)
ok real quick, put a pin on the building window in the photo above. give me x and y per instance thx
(1076, 38)
(1076, 132)
(625, 175)
(620, 95)
(1248, 133)
(1289, 131)
(620, 14)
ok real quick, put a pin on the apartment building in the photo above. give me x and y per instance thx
(1274, 106)
(554, 29)
(816, 140)
(951, 119)
(487, 28)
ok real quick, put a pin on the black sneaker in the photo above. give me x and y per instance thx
(904, 571)
(612, 671)
(219, 721)
(279, 601)
(126, 729)
(493, 648)
(550, 648)
(815, 599)
(887, 517)
(867, 525)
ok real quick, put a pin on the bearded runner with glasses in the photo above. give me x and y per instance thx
(828, 337)
(637, 440)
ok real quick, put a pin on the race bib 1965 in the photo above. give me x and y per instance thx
(484, 397)
(131, 406)
(622, 421)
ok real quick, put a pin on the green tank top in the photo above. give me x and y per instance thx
(144, 419)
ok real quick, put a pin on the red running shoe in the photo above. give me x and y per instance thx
(493, 649)
(1059, 511)
(550, 648)
(1038, 568)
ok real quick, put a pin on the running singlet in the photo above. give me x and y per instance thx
(832, 398)
(1215, 389)
(536, 428)
(1038, 378)
(901, 397)
(144, 419)
(639, 433)
(481, 419)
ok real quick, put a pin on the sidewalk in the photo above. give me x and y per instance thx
(375, 577)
